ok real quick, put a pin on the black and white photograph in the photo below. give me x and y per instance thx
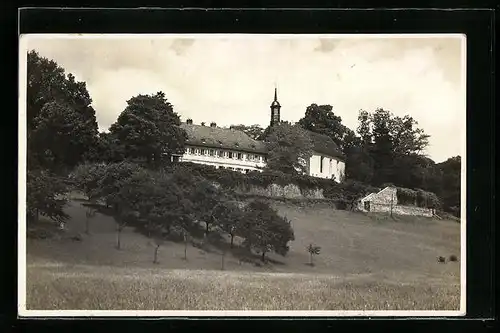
(242, 174)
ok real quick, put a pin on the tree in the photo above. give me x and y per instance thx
(321, 119)
(89, 214)
(264, 230)
(44, 196)
(229, 218)
(450, 192)
(253, 131)
(62, 126)
(86, 177)
(207, 199)
(313, 250)
(289, 149)
(149, 129)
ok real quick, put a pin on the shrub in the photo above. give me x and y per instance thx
(419, 198)
(453, 258)
(441, 259)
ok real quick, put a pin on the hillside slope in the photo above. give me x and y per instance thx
(366, 262)
(351, 243)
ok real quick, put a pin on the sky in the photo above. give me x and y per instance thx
(230, 79)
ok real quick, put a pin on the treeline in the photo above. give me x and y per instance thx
(384, 149)
(126, 173)
(63, 133)
(175, 204)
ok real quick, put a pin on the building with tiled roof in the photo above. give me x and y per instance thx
(235, 150)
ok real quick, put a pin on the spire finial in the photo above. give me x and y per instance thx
(275, 92)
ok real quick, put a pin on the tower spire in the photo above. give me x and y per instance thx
(275, 108)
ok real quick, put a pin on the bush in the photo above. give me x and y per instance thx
(419, 198)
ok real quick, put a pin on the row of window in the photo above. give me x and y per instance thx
(321, 163)
(235, 169)
(224, 154)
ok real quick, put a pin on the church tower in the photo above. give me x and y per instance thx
(275, 109)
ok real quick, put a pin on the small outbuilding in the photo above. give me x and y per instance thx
(386, 201)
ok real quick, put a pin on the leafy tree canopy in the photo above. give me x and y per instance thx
(148, 128)
(62, 126)
(289, 148)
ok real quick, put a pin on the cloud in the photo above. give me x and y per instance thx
(231, 80)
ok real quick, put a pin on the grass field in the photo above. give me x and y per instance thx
(366, 263)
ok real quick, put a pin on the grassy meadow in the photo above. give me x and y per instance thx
(366, 263)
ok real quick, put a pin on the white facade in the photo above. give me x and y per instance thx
(225, 158)
(322, 166)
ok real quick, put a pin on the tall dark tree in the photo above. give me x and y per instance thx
(44, 196)
(264, 230)
(382, 147)
(61, 136)
(321, 119)
(289, 148)
(62, 126)
(451, 184)
(149, 129)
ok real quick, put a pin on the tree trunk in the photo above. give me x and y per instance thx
(232, 240)
(155, 259)
(118, 238)
(222, 263)
(185, 249)
(207, 227)
(263, 256)
(311, 258)
(87, 229)
(392, 203)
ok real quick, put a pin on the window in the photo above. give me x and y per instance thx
(250, 157)
(321, 164)
(240, 156)
(188, 150)
(219, 153)
(197, 151)
(203, 152)
(367, 205)
(230, 154)
(211, 152)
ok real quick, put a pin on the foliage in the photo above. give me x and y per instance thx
(264, 230)
(62, 126)
(321, 119)
(148, 128)
(313, 250)
(418, 198)
(450, 181)
(229, 218)
(86, 177)
(110, 184)
(289, 147)
(44, 196)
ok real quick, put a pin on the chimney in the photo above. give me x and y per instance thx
(202, 123)
(212, 124)
(189, 121)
